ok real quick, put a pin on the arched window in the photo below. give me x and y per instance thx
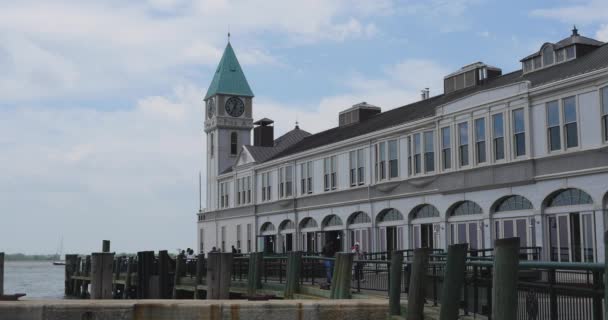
(568, 197)
(308, 223)
(511, 203)
(267, 227)
(211, 145)
(389, 214)
(464, 208)
(424, 211)
(287, 225)
(233, 143)
(332, 221)
(547, 56)
(359, 217)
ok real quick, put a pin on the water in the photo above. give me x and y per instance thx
(37, 279)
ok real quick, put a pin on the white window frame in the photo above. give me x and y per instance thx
(383, 162)
(477, 140)
(224, 195)
(514, 133)
(424, 168)
(266, 186)
(562, 124)
(443, 161)
(330, 177)
(306, 177)
(494, 138)
(285, 183)
(460, 144)
(356, 171)
(604, 115)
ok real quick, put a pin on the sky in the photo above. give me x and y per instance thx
(101, 113)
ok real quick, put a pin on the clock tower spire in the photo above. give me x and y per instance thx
(228, 119)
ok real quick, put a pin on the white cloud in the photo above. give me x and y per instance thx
(579, 13)
(602, 33)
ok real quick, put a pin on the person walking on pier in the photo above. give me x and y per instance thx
(329, 251)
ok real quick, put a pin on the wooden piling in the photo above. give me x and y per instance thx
(395, 283)
(606, 275)
(340, 284)
(219, 266)
(163, 274)
(453, 282)
(254, 274)
(145, 264)
(294, 267)
(180, 263)
(200, 265)
(415, 298)
(1, 273)
(504, 280)
(70, 269)
(101, 275)
(105, 246)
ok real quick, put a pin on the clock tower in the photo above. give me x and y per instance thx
(228, 119)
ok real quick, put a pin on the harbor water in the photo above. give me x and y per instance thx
(37, 279)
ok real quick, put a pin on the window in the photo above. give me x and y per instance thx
(463, 142)
(570, 124)
(528, 65)
(285, 182)
(243, 190)
(417, 153)
(211, 145)
(233, 143)
(553, 131)
(561, 55)
(498, 136)
(446, 148)
(429, 152)
(393, 159)
(380, 161)
(329, 170)
(570, 52)
(537, 62)
(547, 56)
(357, 168)
(511, 203)
(480, 140)
(409, 155)
(238, 237)
(224, 197)
(266, 187)
(306, 177)
(238, 191)
(604, 94)
(248, 188)
(519, 133)
(249, 236)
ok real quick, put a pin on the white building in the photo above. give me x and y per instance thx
(497, 155)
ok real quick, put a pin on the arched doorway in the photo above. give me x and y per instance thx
(359, 225)
(308, 230)
(390, 224)
(287, 229)
(268, 237)
(425, 226)
(570, 220)
(332, 232)
(466, 224)
(512, 216)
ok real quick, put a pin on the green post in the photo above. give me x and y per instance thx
(395, 283)
(294, 266)
(453, 282)
(415, 298)
(340, 284)
(504, 280)
(254, 274)
(1, 273)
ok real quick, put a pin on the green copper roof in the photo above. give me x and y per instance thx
(229, 77)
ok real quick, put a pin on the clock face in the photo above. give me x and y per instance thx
(210, 108)
(235, 107)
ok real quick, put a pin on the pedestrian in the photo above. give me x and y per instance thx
(329, 251)
(358, 256)
(234, 251)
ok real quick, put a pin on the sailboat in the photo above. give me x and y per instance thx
(58, 261)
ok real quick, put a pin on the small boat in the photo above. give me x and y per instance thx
(58, 261)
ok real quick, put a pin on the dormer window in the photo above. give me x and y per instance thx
(548, 55)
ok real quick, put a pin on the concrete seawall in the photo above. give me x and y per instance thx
(193, 310)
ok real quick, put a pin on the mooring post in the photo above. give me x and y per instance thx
(105, 246)
(294, 267)
(453, 282)
(180, 261)
(340, 284)
(254, 274)
(606, 275)
(101, 275)
(1, 273)
(200, 264)
(219, 266)
(504, 279)
(70, 268)
(395, 283)
(415, 298)
(163, 274)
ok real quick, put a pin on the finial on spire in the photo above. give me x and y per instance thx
(297, 125)
(228, 36)
(574, 31)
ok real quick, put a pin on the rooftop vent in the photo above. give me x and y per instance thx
(425, 94)
(469, 76)
(358, 113)
(263, 133)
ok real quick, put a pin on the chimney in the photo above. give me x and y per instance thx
(263, 133)
(425, 94)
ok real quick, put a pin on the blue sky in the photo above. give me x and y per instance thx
(101, 113)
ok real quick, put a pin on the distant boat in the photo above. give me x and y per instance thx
(58, 261)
